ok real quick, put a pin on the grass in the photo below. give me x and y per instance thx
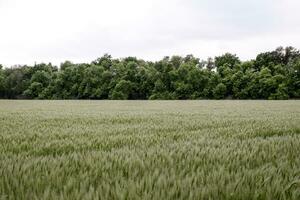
(149, 150)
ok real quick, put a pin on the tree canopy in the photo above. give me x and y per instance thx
(272, 75)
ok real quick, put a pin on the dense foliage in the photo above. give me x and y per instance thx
(272, 75)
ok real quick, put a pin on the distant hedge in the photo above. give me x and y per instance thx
(272, 75)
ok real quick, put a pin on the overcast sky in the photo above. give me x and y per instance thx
(82, 30)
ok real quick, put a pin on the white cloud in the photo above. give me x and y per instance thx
(82, 30)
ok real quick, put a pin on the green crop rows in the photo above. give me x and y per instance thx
(149, 150)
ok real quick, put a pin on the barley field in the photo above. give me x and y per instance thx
(149, 150)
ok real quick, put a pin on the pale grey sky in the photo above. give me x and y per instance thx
(82, 30)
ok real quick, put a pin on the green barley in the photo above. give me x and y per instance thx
(149, 149)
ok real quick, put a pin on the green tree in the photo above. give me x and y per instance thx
(293, 78)
(272, 75)
(40, 80)
(122, 90)
(16, 81)
(220, 91)
(281, 92)
(2, 82)
(229, 59)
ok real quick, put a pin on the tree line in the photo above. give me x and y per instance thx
(272, 75)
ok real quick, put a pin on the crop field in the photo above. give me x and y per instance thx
(149, 149)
